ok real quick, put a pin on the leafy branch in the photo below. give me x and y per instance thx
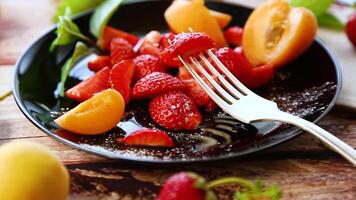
(80, 51)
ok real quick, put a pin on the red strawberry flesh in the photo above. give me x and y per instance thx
(121, 49)
(233, 35)
(148, 137)
(350, 29)
(146, 64)
(121, 77)
(198, 94)
(175, 110)
(109, 33)
(235, 62)
(87, 88)
(187, 44)
(181, 186)
(155, 84)
(99, 63)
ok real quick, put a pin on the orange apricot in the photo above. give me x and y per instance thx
(96, 115)
(275, 33)
(223, 19)
(184, 16)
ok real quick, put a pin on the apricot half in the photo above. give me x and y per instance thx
(275, 33)
(184, 16)
(96, 115)
(223, 19)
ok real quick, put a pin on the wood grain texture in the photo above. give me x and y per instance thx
(303, 167)
(21, 21)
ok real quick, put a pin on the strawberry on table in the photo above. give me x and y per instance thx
(87, 88)
(146, 64)
(175, 110)
(233, 35)
(187, 44)
(155, 84)
(183, 186)
(148, 137)
(121, 76)
(109, 33)
(120, 49)
(350, 29)
(235, 62)
(99, 62)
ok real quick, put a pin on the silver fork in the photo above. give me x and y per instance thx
(246, 106)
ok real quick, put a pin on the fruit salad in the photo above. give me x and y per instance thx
(133, 69)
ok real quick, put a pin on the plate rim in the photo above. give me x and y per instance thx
(293, 133)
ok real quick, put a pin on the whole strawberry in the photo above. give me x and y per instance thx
(175, 110)
(351, 29)
(183, 186)
(190, 186)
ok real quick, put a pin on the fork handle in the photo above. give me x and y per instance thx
(345, 150)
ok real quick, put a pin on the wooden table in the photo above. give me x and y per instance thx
(302, 167)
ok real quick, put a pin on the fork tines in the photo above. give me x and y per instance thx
(228, 90)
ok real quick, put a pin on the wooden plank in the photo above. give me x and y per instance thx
(299, 179)
(67, 154)
(21, 21)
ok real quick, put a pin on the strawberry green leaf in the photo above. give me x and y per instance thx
(270, 193)
(80, 51)
(102, 15)
(75, 6)
(318, 7)
(330, 21)
(67, 31)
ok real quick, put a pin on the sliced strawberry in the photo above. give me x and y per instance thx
(109, 33)
(148, 137)
(150, 44)
(184, 74)
(166, 39)
(120, 50)
(87, 88)
(235, 62)
(233, 35)
(99, 63)
(175, 110)
(184, 186)
(260, 76)
(150, 49)
(155, 84)
(146, 64)
(121, 77)
(198, 94)
(187, 44)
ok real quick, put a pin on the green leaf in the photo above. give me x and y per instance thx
(330, 21)
(67, 32)
(102, 15)
(318, 7)
(270, 193)
(80, 51)
(76, 7)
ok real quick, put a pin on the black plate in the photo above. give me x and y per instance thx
(307, 87)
